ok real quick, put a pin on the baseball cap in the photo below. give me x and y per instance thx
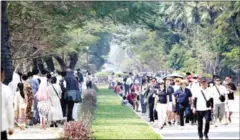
(195, 76)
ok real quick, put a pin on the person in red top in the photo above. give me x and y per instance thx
(132, 99)
(118, 89)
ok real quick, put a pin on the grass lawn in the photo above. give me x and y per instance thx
(114, 121)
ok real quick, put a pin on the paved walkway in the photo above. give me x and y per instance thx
(36, 133)
(230, 131)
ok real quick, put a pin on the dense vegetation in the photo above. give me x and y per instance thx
(183, 36)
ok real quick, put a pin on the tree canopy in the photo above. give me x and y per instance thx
(182, 36)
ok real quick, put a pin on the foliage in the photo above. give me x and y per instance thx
(77, 130)
(88, 106)
(199, 36)
(203, 35)
(112, 117)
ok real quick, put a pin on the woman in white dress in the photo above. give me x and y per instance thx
(55, 92)
(20, 105)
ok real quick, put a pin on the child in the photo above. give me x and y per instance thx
(119, 89)
(125, 102)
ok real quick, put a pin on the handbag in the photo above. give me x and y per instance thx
(221, 97)
(208, 103)
(73, 95)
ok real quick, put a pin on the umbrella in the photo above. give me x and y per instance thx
(174, 75)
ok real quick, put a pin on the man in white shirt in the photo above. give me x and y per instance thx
(194, 87)
(7, 109)
(219, 106)
(203, 102)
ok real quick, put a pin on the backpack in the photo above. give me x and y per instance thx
(80, 77)
(182, 98)
(125, 79)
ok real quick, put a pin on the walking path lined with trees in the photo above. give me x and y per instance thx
(118, 122)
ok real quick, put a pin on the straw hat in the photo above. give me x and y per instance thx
(177, 79)
(184, 82)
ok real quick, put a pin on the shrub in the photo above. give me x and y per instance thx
(77, 130)
(94, 86)
(88, 106)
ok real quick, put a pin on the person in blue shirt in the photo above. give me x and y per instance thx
(182, 100)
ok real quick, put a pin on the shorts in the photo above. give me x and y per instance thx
(170, 106)
(230, 106)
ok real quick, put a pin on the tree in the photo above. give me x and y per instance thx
(6, 58)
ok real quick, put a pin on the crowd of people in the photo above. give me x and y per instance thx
(41, 97)
(175, 100)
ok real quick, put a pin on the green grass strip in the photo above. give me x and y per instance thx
(114, 121)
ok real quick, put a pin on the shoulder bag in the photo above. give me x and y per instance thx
(208, 103)
(221, 97)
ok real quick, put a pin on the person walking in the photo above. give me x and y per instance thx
(182, 100)
(176, 86)
(44, 102)
(7, 109)
(14, 83)
(20, 105)
(151, 98)
(161, 105)
(231, 88)
(80, 78)
(72, 94)
(144, 89)
(35, 85)
(194, 87)
(89, 80)
(170, 91)
(62, 84)
(203, 104)
(29, 99)
(220, 97)
(55, 92)
(129, 83)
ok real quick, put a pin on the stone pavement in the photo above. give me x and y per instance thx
(230, 131)
(35, 132)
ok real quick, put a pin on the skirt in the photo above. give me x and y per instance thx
(44, 108)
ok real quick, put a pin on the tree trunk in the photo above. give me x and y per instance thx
(35, 64)
(73, 60)
(50, 64)
(6, 58)
(61, 62)
(40, 64)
